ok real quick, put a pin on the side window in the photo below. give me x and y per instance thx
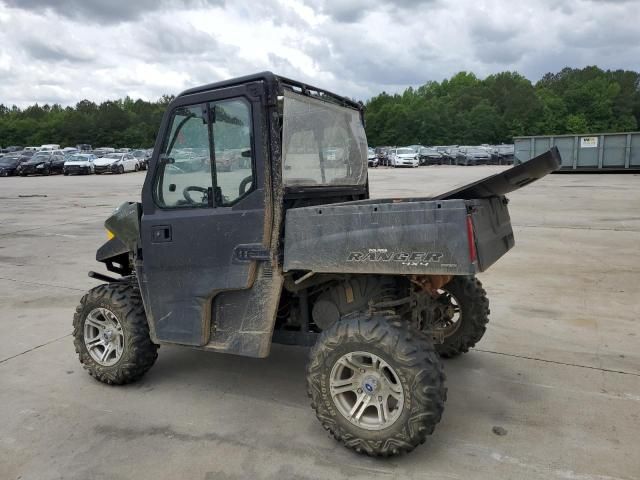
(232, 133)
(184, 178)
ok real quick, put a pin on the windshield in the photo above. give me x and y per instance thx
(405, 151)
(117, 156)
(8, 160)
(322, 143)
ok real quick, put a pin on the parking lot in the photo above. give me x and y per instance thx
(558, 370)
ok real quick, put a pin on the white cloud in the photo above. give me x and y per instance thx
(67, 50)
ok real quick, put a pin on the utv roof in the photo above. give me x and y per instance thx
(278, 83)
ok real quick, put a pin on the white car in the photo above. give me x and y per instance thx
(49, 146)
(404, 157)
(116, 163)
(372, 158)
(80, 163)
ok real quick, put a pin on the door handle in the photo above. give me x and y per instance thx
(160, 233)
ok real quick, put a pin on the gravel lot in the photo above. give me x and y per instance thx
(559, 369)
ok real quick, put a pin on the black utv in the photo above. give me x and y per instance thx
(288, 247)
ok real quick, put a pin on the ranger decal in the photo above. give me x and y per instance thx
(383, 255)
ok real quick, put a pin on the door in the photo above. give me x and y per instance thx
(203, 209)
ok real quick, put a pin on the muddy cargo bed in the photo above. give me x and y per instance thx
(413, 237)
(461, 232)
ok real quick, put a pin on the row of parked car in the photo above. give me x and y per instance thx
(417, 155)
(80, 160)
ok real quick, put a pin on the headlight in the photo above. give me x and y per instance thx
(110, 234)
(40, 166)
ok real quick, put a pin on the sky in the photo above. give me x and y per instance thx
(63, 51)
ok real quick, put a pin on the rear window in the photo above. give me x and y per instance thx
(322, 143)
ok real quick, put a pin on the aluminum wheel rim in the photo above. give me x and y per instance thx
(103, 336)
(452, 315)
(366, 390)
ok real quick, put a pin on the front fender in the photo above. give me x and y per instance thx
(112, 248)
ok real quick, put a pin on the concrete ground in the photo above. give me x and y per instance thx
(559, 367)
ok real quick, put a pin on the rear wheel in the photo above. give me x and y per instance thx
(111, 334)
(461, 316)
(376, 384)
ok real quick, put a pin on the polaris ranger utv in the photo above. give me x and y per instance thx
(255, 226)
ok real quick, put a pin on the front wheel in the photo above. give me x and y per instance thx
(111, 334)
(376, 384)
(121, 169)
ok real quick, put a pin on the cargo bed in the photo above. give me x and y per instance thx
(461, 232)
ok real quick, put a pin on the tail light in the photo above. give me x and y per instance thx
(473, 254)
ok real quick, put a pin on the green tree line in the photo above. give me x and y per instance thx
(120, 123)
(465, 110)
(461, 110)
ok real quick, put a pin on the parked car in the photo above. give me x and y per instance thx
(25, 155)
(42, 163)
(84, 147)
(31, 149)
(102, 151)
(448, 153)
(80, 163)
(9, 164)
(383, 154)
(404, 157)
(473, 156)
(506, 153)
(50, 146)
(372, 158)
(430, 156)
(116, 163)
(11, 149)
(143, 158)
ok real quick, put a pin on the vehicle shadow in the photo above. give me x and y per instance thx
(484, 392)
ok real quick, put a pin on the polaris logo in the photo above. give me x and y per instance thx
(383, 255)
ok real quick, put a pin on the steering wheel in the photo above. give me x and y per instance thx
(193, 188)
(243, 184)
